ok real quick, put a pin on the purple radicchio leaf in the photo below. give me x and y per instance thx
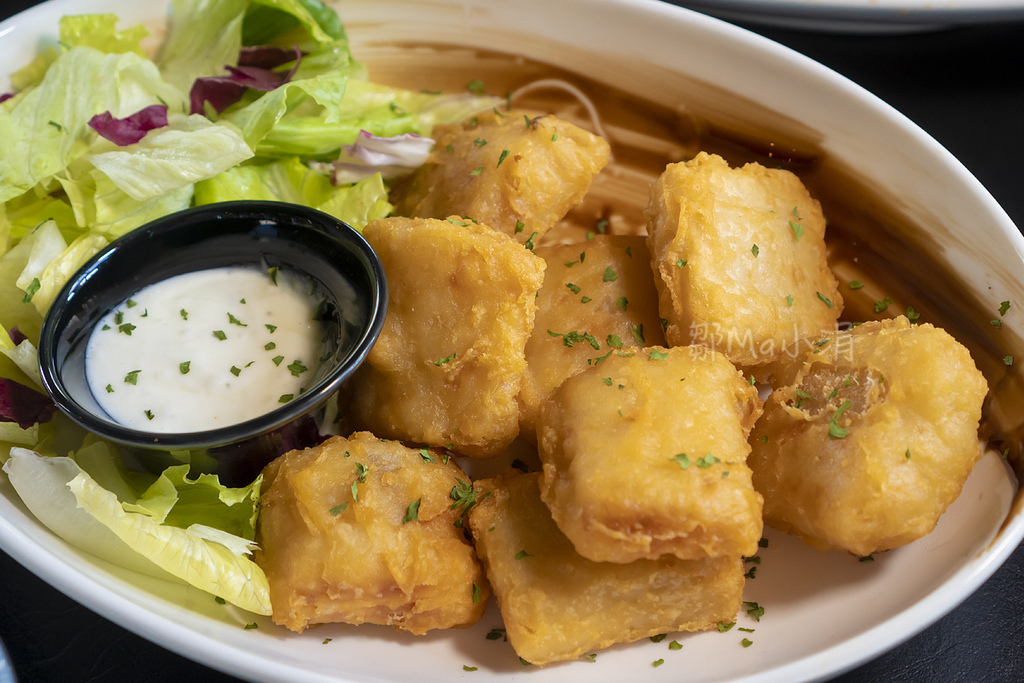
(131, 129)
(6, 96)
(16, 335)
(223, 91)
(23, 405)
(392, 157)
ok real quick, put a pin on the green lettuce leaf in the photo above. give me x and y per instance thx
(291, 181)
(202, 36)
(87, 515)
(48, 127)
(99, 31)
(110, 212)
(188, 149)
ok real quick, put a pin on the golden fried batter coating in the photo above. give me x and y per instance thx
(598, 297)
(557, 605)
(645, 456)
(739, 256)
(447, 367)
(517, 174)
(340, 540)
(873, 440)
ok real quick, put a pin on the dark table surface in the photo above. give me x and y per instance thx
(963, 85)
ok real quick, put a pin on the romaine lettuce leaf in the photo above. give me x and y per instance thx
(188, 149)
(202, 36)
(48, 127)
(291, 181)
(99, 31)
(74, 506)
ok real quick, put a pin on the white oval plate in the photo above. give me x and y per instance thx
(825, 612)
(862, 16)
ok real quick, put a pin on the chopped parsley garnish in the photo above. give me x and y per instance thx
(132, 377)
(277, 360)
(1008, 359)
(591, 657)
(607, 381)
(476, 86)
(723, 627)
(127, 328)
(573, 288)
(232, 320)
(219, 334)
(272, 272)
(798, 230)
(338, 509)
(856, 284)
(1004, 307)
(746, 642)
(149, 414)
(477, 171)
(427, 457)
(996, 323)
(476, 593)
(130, 303)
(520, 226)
(529, 243)
(755, 251)
(110, 389)
(610, 275)
(682, 458)
(496, 634)
(638, 334)
(504, 155)
(269, 346)
(297, 368)
(184, 367)
(467, 667)
(658, 638)
(907, 454)
(614, 341)
(912, 315)
(657, 662)
(271, 328)
(412, 514)
(446, 359)
(251, 626)
(754, 610)
(235, 370)
(681, 263)
(825, 299)
(707, 461)
(834, 430)
(464, 495)
(658, 355)
(285, 398)
(675, 645)
(882, 305)
(521, 554)
(622, 303)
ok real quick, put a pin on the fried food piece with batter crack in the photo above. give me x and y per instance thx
(645, 456)
(873, 440)
(558, 605)
(739, 260)
(448, 365)
(360, 530)
(598, 298)
(516, 173)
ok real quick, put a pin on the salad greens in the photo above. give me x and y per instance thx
(66, 191)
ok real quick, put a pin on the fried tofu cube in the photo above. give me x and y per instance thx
(644, 456)
(873, 440)
(739, 259)
(557, 605)
(360, 530)
(598, 298)
(447, 367)
(513, 172)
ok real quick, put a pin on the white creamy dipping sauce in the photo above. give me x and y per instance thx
(205, 350)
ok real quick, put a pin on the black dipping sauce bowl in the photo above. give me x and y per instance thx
(350, 292)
